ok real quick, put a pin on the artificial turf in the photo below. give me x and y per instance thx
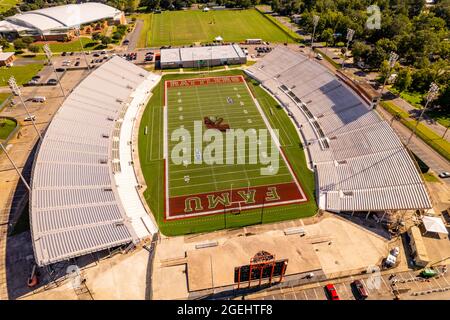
(152, 166)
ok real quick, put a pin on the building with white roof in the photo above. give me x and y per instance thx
(55, 22)
(202, 56)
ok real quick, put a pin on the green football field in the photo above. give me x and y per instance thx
(212, 100)
(188, 104)
(189, 26)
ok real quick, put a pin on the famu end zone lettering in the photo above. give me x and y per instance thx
(243, 199)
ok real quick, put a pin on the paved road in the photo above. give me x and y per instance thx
(133, 37)
(378, 288)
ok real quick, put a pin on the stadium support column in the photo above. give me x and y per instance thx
(393, 57)
(432, 93)
(78, 34)
(48, 54)
(315, 22)
(16, 91)
(15, 167)
(350, 33)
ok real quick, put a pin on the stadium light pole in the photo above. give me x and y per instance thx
(16, 91)
(393, 57)
(15, 167)
(350, 34)
(432, 92)
(315, 22)
(48, 54)
(78, 34)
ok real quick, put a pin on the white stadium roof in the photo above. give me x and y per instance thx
(84, 196)
(178, 55)
(60, 17)
(360, 163)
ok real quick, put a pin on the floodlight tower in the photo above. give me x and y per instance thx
(78, 33)
(315, 22)
(48, 54)
(15, 167)
(350, 34)
(393, 57)
(16, 91)
(432, 92)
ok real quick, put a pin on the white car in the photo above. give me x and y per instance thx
(31, 118)
(444, 175)
(319, 56)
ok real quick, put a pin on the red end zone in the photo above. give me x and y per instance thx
(238, 199)
(203, 81)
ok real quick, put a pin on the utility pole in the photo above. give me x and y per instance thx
(78, 34)
(350, 34)
(315, 22)
(16, 91)
(393, 57)
(48, 54)
(15, 167)
(432, 92)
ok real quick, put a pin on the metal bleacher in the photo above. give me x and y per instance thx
(77, 204)
(360, 163)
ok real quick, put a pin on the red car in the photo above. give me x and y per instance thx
(359, 286)
(331, 290)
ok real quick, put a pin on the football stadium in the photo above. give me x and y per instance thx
(131, 153)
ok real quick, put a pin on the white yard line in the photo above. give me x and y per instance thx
(235, 180)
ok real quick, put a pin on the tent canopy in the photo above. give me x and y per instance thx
(434, 224)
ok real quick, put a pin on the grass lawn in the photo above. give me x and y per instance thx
(3, 97)
(5, 5)
(187, 27)
(6, 127)
(22, 74)
(74, 45)
(413, 98)
(429, 177)
(152, 165)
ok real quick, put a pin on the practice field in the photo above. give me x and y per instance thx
(189, 26)
(224, 195)
(227, 178)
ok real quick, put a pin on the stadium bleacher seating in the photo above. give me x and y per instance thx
(360, 163)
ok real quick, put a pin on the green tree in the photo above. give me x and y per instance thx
(33, 48)
(19, 44)
(404, 79)
(106, 40)
(327, 36)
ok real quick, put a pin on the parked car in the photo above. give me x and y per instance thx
(360, 289)
(319, 56)
(96, 54)
(31, 118)
(60, 69)
(52, 81)
(444, 175)
(64, 54)
(331, 291)
(126, 42)
(77, 63)
(40, 99)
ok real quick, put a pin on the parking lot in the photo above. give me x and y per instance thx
(408, 285)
